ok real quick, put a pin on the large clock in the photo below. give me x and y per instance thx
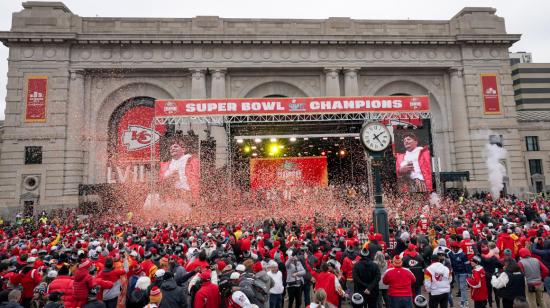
(375, 136)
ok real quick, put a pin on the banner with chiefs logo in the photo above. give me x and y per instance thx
(36, 98)
(288, 172)
(491, 101)
(300, 105)
(135, 136)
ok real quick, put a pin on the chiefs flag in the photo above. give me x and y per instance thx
(288, 172)
(135, 135)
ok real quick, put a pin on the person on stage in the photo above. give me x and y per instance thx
(414, 166)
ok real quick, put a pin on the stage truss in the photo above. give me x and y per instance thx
(277, 118)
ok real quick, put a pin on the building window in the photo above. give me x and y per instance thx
(535, 166)
(33, 155)
(532, 143)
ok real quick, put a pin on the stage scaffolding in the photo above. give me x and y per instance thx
(227, 121)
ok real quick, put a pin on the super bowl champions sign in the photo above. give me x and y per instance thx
(301, 105)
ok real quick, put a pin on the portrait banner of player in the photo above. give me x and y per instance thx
(413, 160)
(179, 177)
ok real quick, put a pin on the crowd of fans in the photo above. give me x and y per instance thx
(440, 252)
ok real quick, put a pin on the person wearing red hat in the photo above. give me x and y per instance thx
(535, 271)
(208, 296)
(400, 281)
(414, 261)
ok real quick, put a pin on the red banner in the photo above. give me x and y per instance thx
(491, 101)
(135, 135)
(288, 172)
(301, 105)
(35, 106)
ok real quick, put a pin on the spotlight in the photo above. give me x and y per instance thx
(247, 149)
(240, 141)
(292, 139)
(254, 147)
(273, 139)
(341, 138)
(357, 137)
(306, 138)
(257, 140)
(342, 152)
(254, 154)
(325, 138)
(323, 153)
(273, 149)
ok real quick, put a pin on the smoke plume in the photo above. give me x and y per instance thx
(496, 171)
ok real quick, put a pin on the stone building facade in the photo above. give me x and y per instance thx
(95, 64)
(532, 93)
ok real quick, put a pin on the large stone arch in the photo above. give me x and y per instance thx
(265, 88)
(103, 107)
(440, 121)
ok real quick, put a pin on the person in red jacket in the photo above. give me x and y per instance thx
(399, 281)
(28, 278)
(507, 241)
(109, 273)
(148, 267)
(208, 296)
(83, 282)
(64, 283)
(200, 262)
(477, 283)
(327, 281)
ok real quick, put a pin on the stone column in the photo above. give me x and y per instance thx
(218, 83)
(198, 83)
(459, 108)
(74, 163)
(351, 86)
(332, 82)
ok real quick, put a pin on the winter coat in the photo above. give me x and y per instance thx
(491, 264)
(507, 241)
(459, 262)
(83, 282)
(173, 296)
(509, 285)
(415, 263)
(437, 279)
(29, 278)
(208, 296)
(399, 281)
(137, 299)
(366, 275)
(292, 268)
(65, 285)
(478, 284)
(10, 305)
(543, 253)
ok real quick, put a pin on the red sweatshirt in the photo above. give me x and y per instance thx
(400, 281)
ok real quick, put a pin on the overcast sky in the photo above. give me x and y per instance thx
(529, 18)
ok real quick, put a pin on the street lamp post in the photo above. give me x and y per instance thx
(380, 215)
(376, 138)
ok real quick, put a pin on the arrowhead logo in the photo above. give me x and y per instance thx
(138, 137)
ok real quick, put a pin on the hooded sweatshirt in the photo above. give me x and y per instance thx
(437, 279)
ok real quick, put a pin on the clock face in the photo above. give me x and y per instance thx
(375, 137)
